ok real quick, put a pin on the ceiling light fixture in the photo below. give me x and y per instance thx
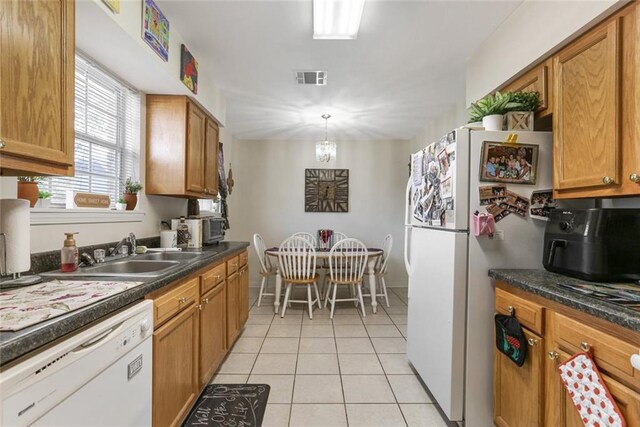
(325, 150)
(337, 19)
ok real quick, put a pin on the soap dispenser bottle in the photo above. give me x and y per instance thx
(69, 254)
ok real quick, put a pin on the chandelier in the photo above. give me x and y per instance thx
(325, 150)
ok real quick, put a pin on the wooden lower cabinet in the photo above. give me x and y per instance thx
(534, 394)
(233, 319)
(175, 368)
(213, 331)
(196, 321)
(563, 414)
(518, 391)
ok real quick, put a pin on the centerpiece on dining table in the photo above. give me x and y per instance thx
(325, 239)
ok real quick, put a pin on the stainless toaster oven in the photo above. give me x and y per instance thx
(212, 230)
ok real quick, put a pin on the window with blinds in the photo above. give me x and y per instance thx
(107, 135)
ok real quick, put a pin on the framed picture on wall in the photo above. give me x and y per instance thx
(188, 70)
(155, 29)
(508, 163)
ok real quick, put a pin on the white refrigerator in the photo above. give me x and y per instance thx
(450, 315)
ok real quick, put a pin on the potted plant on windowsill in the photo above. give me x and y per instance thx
(28, 188)
(44, 199)
(491, 109)
(121, 204)
(131, 189)
(521, 117)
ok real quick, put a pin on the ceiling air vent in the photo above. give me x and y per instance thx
(317, 78)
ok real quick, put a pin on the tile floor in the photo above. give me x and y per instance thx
(351, 371)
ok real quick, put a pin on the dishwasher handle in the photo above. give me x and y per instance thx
(94, 341)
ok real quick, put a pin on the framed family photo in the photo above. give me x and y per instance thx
(508, 163)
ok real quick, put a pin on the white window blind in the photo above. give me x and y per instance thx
(107, 135)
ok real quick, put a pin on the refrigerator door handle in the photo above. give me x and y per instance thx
(407, 226)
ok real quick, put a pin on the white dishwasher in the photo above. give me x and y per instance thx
(99, 377)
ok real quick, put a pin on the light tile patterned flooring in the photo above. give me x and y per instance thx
(352, 371)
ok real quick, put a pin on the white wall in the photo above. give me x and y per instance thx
(529, 33)
(115, 41)
(450, 119)
(269, 194)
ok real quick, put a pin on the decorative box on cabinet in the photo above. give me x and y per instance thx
(37, 65)
(182, 148)
(538, 79)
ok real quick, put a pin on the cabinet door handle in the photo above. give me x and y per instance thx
(553, 355)
(206, 190)
(532, 341)
(634, 177)
(585, 346)
(607, 180)
(182, 300)
(511, 310)
(217, 277)
(2, 143)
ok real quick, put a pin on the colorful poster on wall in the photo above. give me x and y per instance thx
(155, 29)
(188, 70)
(114, 5)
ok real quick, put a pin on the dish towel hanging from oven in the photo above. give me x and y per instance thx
(588, 392)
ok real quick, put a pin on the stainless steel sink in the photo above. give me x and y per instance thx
(169, 256)
(125, 268)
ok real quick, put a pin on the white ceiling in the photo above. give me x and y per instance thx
(405, 68)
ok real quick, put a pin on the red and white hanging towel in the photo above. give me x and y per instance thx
(588, 392)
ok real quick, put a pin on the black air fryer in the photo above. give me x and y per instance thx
(594, 244)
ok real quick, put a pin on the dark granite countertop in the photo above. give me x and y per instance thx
(545, 284)
(19, 343)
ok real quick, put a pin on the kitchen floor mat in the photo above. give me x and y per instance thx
(222, 405)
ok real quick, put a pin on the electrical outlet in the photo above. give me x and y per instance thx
(499, 234)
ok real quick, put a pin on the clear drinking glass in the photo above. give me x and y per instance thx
(99, 255)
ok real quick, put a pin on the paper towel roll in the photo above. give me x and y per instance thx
(15, 224)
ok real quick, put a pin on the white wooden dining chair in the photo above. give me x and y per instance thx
(347, 264)
(297, 265)
(381, 270)
(338, 237)
(308, 237)
(266, 268)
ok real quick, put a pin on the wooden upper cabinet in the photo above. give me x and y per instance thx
(195, 149)
(587, 114)
(211, 158)
(518, 392)
(536, 80)
(179, 139)
(37, 41)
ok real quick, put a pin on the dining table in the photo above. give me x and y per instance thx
(323, 254)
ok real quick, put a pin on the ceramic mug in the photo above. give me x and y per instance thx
(169, 239)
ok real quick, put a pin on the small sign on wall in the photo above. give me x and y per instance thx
(77, 199)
